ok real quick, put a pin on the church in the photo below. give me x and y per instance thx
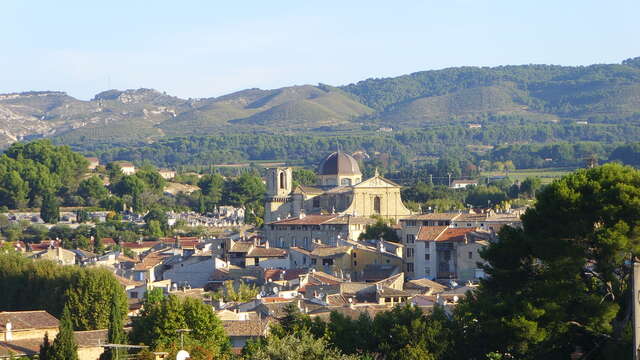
(340, 190)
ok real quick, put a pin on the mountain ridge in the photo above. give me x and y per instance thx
(459, 95)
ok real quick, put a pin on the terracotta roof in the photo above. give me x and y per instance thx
(325, 278)
(151, 260)
(275, 274)
(300, 250)
(306, 220)
(424, 284)
(127, 282)
(92, 338)
(139, 245)
(471, 217)
(24, 320)
(433, 216)
(23, 347)
(108, 241)
(310, 189)
(430, 233)
(330, 251)
(387, 291)
(266, 252)
(454, 234)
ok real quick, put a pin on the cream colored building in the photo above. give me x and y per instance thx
(340, 190)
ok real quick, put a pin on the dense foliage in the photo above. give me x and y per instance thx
(43, 285)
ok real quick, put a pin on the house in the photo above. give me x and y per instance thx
(461, 184)
(126, 167)
(299, 258)
(22, 332)
(424, 286)
(150, 268)
(57, 254)
(167, 174)
(193, 271)
(90, 343)
(305, 231)
(241, 331)
(94, 162)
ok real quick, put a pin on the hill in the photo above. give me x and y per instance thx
(604, 93)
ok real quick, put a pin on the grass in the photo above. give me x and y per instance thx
(546, 175)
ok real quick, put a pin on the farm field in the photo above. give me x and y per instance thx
(546, 175)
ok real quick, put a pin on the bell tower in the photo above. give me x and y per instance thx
(279, 186)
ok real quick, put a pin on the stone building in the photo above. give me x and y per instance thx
(340, 190)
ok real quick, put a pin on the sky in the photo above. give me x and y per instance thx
(194, 49)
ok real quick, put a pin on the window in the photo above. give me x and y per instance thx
(283, 181)
(134, 294)
(313, 261)
(410, 252)
(470, 254)
(427, 271)
(355, 263)
(376, 204)
(326, 262)
(304, 260)
(316, 202)
(354, 255)
(306, 242)
(427, 257)
(411, 238)
(409, 267)
(345, 182)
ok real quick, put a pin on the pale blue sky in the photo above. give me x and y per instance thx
(209, 48)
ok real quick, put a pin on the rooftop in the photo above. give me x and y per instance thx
(26, 320)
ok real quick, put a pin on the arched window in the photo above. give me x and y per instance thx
(283, 181)
(376, 204)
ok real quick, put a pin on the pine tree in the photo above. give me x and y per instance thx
(64, 346)
(50, 210)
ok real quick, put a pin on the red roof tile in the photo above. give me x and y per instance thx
(454, 234)
(429, 233)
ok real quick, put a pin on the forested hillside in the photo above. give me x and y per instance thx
(546, 97)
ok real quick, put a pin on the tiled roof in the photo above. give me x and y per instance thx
(387, 291)
(354, 220)
(22, 347)
(300, 250)
(151, 260)
(430, 233)
(424, 284)
(92, 338)
(242, 247)
(433, 216)
(471, 217)
(306, 220)
(378, 272)
(275, 274)
(325, 278)
(454, 234)
(127, 282)
(330, 251)
(266, 252)
(24, 320)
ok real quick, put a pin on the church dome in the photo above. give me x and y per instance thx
(339, 163)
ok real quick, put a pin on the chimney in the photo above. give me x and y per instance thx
(8, 336)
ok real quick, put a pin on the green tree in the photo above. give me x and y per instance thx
(50, 210)
(45, 348)
(563, 280)
(530, 186)
(304, 177)
(64, 346)
(116, 334)
(380, 230)
(302, 346)
(92, 190)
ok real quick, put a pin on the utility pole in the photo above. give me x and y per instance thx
(636, 309)
(449, 179)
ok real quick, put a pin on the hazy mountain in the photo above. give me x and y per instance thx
(600, 93)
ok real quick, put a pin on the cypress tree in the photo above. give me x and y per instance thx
(116, 333)
(45, 348)
(64, 346)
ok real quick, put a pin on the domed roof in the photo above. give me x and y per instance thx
(339, 163)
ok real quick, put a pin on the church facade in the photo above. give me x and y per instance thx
(340, 190)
